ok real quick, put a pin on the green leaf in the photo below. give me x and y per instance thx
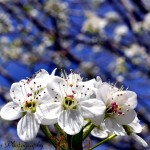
(75, 141)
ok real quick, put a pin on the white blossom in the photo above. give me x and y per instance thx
(119, 107)
(73, 102)
(30, 101)
(94, 23)
(112, 16)
(146, 22)
(120, 31)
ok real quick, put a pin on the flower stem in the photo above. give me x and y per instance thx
(88, 123)
(59, 130)
(87, 132)
(49, 135)
(103, 141)
(62, 136)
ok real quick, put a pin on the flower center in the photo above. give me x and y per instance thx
(69, 102)
(114, 109)
(30, 106)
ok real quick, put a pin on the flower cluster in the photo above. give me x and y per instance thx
(120, 117)
(47, 99)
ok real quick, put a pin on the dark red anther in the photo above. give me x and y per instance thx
(70, 96)
(29, 94)
(114, 104)
(119, 112)
(114, 107)
(28, 81)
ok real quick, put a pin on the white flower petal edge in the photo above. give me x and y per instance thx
(127, 98)
(48, 113)
(114, 127)
(127, 118)
(139, 140)
(73, 78)
(53, 72)
(19, 90)
(9, 113)
(55, 87)
(90, 83)
(45, 97)
(104, 91)
(70, 121)
(42, 73)
(98, 119)
(27, 127)
(91, 108)
(99, 133)
(135, 126)
(98, 82)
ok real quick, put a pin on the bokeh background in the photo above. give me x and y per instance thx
(109, 38)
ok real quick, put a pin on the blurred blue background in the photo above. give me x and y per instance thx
(109, 38)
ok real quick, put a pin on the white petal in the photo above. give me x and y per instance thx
(82, 91)
(19, 91)
(48, 113)
(44, 97)
(99, 133)
(139, 140)
(136, 126)
(132, 99)
(104, 92)
(11, 111)
(97, 120)
(98, 82)
(114, 127)
(42, 74)
(56, 86)
(53, 72)
(27, 127)
(98, 79)
(70, 121)
(127, 118)
(90, 83)
(127, 98)
(91, 108)
(74, 78)
(37, 84)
